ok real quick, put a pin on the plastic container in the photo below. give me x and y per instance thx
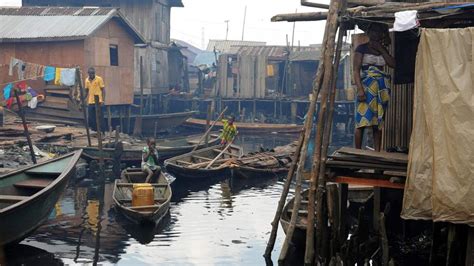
(143, 195)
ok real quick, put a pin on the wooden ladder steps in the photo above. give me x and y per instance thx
(131, 185)
(12, 198)
(38, 183)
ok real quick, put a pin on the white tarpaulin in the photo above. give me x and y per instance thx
(440, 182)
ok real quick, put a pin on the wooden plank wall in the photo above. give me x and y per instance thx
(246, 76)
(118, 79)
(261, 75)
(222, 69)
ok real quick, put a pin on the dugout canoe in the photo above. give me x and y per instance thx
(248, 127)
(166, 149)
(151, 214)
(28, 195)
(193, 165)
(163, 122)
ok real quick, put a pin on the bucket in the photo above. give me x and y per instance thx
(143, 195)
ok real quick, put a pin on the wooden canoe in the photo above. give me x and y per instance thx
(299, 235)
(166, 149)
(163, 122)
(249, 127)
(122, 196)
(251, 172)
(28, 195)
(184, 166)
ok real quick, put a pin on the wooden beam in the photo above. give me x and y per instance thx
(367, 182)
(291, 17)
(311, 4)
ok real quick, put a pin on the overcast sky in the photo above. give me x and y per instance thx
(187, 23)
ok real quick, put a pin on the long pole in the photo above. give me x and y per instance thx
(25, 127)
(293, 33)
(308, 126)
(83, 103)
(210, 128)
(282, 201)
(208, 122)
(243, 26)
(227, 29)
(220, 154)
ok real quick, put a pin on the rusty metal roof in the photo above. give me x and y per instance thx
(230, 46)
(29, 24)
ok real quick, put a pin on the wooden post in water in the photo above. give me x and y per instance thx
(128, 118)
(121, 118)
(282, 201)
(109, 120)
(25, 126)
(83, 104)
(156, 128)
(137, 130)
(318, 172)
(99, 129)
(208, 122)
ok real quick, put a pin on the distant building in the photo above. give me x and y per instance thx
(149, 17)
(72, 37)
(230, 46)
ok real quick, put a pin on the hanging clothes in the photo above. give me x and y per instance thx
(29, 70)
(7, 91)
(19, 64)
(49, 73)
(33, 102)
(68, 76)
(57, 77)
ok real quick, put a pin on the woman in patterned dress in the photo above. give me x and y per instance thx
(373, 84)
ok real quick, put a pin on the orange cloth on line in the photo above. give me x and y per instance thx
(270, 71)
(57, 77)
(95, 87)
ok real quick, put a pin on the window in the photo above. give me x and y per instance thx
(113, 55)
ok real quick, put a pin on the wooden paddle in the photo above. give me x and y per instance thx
(220, 154)
(210, 128)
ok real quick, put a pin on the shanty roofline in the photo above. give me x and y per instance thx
(383, 12)
(230, 46)
(44, 24)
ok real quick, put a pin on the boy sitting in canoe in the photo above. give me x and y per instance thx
(150, 160)
(229, 130)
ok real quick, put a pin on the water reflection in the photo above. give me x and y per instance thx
(213, 222)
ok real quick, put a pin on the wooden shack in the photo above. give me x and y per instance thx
(71, 37)
(151, 18)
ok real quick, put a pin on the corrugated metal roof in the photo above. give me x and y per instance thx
(230, 46)
(27, 24)
(275, 52)
(305, 56)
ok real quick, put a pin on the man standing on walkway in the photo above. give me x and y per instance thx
(95, 86)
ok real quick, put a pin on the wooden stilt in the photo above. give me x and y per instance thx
(208, 123)
(99, 129)
(137, 130)
(343, 212)
(83, 104)
(376, 209)
(25, 126)
(129, 118)
(321, 138)
(121, 119)
(383, 240)
(307, 129)
(282, 201)
(109, 120)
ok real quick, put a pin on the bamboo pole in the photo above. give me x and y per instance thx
(320, 175)
(307, 132)
(83, 104)
(210, 128)
(327, 85)
(25, 127)
(109, 120)
(282, 201)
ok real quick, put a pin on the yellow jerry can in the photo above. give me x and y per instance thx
(143, 195)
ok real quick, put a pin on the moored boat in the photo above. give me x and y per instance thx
(166, 149)
(249, 127)
(123, 191)
(196, 164)
(28, 195)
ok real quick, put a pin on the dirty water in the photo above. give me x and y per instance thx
(211, 222)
